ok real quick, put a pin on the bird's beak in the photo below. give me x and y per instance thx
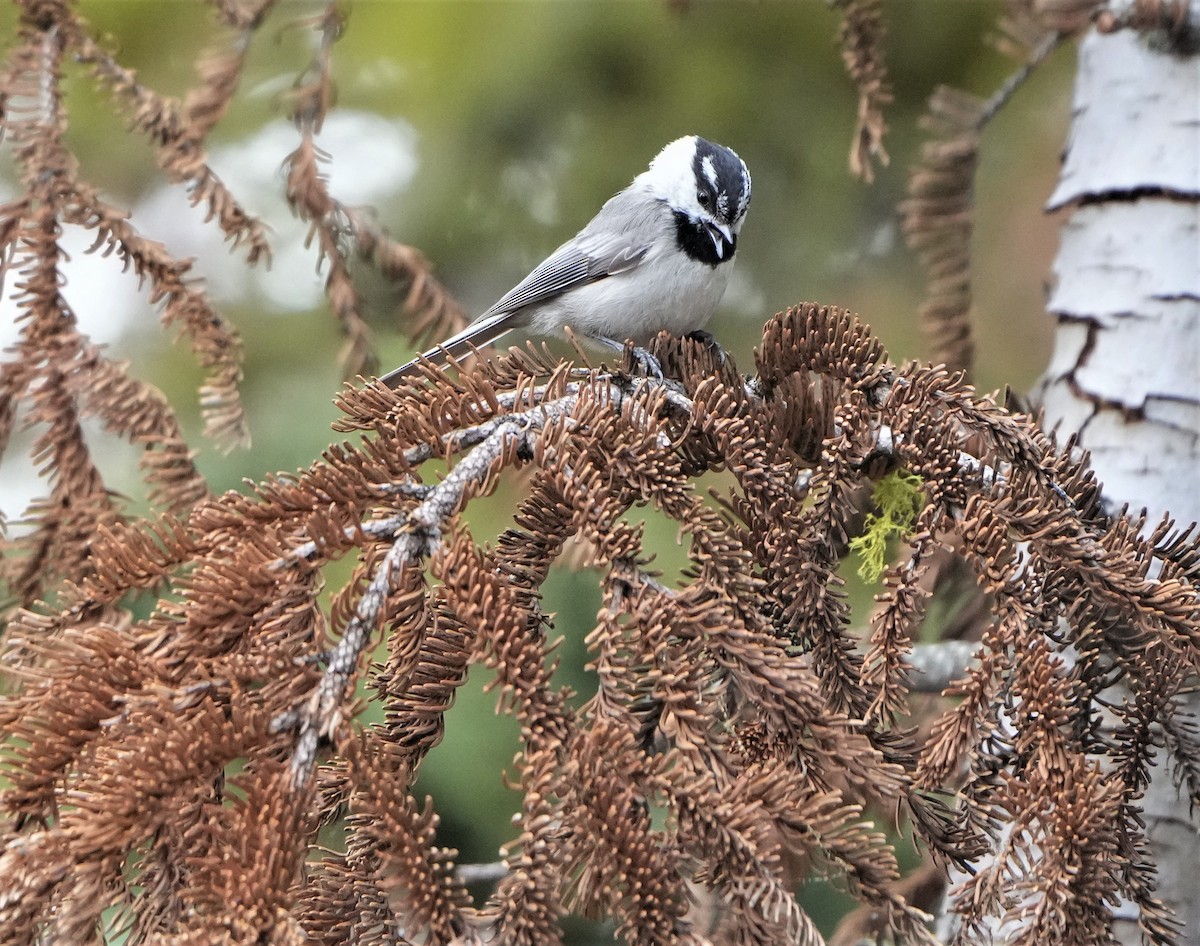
(721, 235)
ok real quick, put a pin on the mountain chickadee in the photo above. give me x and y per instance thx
(657, 256)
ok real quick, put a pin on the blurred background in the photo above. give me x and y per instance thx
(486, 133)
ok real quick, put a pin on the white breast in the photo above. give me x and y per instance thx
(667, 291)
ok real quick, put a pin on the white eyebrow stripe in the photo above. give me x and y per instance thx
(709, 169)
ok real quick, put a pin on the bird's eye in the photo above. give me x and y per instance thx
(702, 197)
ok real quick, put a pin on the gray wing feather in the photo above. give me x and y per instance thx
(575, 263)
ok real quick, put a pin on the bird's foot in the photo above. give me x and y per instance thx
(646, 363)
(643, 362)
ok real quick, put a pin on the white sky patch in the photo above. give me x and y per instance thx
(371, 160)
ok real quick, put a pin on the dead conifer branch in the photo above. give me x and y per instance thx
(938, 222)
(420, 537)
(939, 213)
(860, 36)
(180, 143)
(192, 712)
(58, 376)
(741, 728)
(219, 68)
(340, 231)
(57, 371)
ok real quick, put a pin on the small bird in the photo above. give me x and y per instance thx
(657, 256)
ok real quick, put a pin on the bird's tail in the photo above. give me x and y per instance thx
(481, 332)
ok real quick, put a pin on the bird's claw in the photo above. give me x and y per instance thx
(643, 362)
(646, 363)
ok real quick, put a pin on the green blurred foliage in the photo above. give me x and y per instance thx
(527, 115)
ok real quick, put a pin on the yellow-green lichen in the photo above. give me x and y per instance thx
(899, 499)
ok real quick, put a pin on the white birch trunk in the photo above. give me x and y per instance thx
(1125, 374)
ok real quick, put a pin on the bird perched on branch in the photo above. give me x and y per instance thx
(657, 256)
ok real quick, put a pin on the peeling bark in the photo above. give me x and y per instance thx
(1125, 374)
